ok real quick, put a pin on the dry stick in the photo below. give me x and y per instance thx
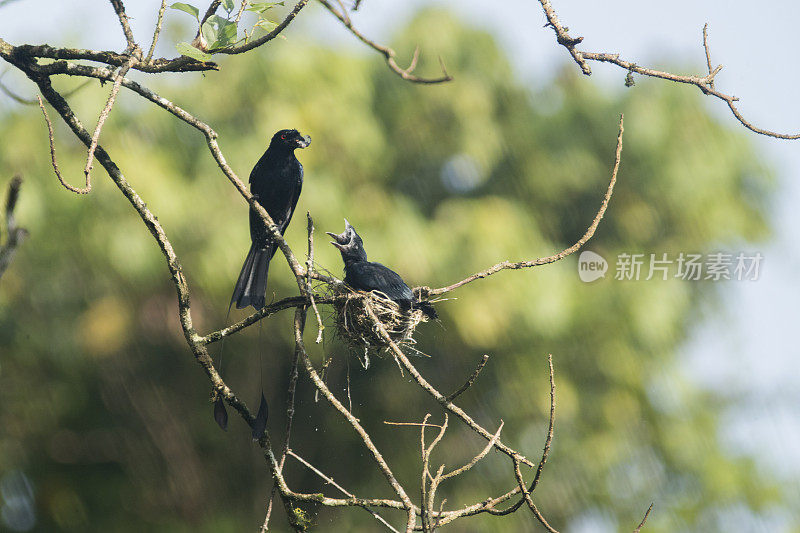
(527, 496)
(104, 116)
(157, 31)
(126, 27)
(641, 524)
(264, 312)
(437, 480)
(430, 389)
(309, 270)
(53, 160)
(548, 441)
(290, 391)
(470, 380)
(704, 83)
(426, 501)
(388, 53)
(330, 481)
(415, 424)
(299, 324)
(474, 461)
(560, 255)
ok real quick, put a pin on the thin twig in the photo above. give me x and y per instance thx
(388, 53)
(157, 31)
(474, 461)
(88, 187)
(329, 480)
(299, 324)
(309, 270)
(704, 83)
(470, 380)
(527, 497)
(549, 440)
(104, 115)
(641, 524)
(430, 389)
(119, 9)
(560, 255)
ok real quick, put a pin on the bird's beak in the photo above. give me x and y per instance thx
(304, 141)
(339, 239)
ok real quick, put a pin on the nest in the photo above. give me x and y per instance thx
(356, 328)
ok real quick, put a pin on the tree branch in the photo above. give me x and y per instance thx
(704, 83)
(388, 53)
(553, 258)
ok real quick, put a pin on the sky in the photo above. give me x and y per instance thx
(749, 351)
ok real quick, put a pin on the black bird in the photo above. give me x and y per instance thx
(275, 181)
(361, 274)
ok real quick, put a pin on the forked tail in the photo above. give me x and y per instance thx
(251, 287)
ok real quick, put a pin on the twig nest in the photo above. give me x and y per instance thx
(355, 326)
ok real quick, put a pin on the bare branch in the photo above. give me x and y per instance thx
(474, 461)
(103, 116)
(388, 53)
(549, 438)
(560, 255)
(704, 83)
(330, 481)
(88, 187)
(430, 389)
(309, 270)
(470, 380)
(299, 324)
(157, 31)
(641, 524)
(527, 497)
(119, 9)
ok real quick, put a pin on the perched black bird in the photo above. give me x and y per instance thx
(275, 181)
(361, 274)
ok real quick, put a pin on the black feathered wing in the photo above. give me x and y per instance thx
(251, 287)
(366, 276)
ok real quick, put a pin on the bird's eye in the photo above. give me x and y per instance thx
(283, 136)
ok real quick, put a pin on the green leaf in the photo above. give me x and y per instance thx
(228, 5)
(187, 49)
(265, 24)
(261, 7)
(219, 31)
(209, 31)
(227, 34)
(187, 8)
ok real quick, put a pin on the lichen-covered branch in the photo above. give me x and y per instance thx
(388, 53)
(704, 83)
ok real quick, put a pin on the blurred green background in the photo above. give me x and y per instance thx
(106, 424)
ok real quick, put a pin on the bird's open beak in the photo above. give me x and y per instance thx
(304, 141)
(339, 239)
